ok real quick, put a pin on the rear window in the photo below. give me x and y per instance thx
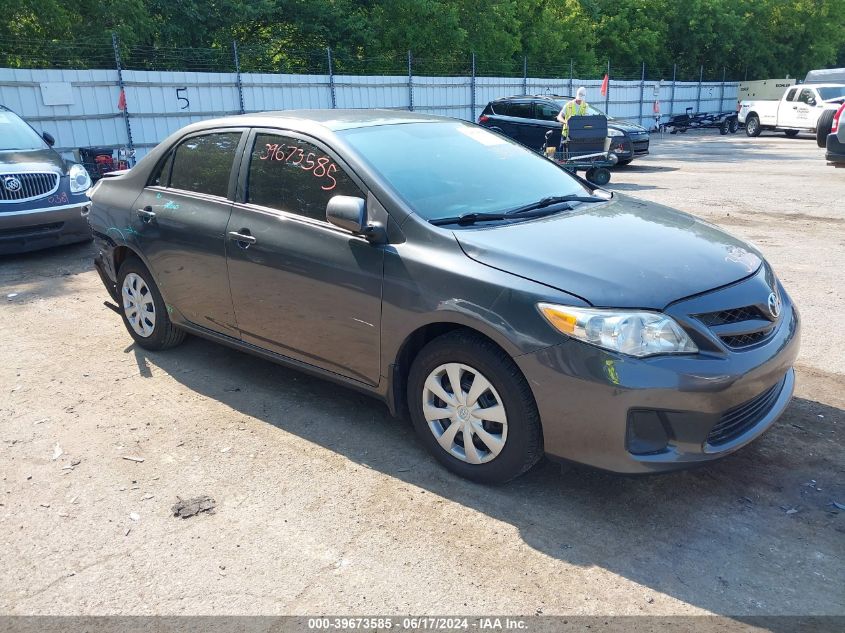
(448, 168)
(204, 163)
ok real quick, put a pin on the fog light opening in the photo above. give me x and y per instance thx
(648, 433)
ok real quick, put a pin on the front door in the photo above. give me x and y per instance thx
(180, 221)
(545, 119)
(302, 287)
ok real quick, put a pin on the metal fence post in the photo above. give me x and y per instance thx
(331, 77)
(238, 75)
(672, 97)
(119, 66)
(525, 75)
(410, 82)
(472, 89)
(571, 76)
(722, 92)
(607, 94)
(698, 96)
(642, 88)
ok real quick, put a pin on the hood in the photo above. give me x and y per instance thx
(625, 254)
(625, 126)
(17, 160)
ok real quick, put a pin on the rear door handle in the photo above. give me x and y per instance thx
(146, 214)
(243, 239)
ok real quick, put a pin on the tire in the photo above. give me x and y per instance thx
(598, 176)
(724, 127)
(467, 356)
(752, 125)
(153, 329)
(627, 161)
(734, 125)
(791, 133)
(823, 127)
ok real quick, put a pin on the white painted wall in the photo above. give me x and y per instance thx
(159, 103)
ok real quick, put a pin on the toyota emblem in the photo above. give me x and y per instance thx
(774, 305)
(12, 184)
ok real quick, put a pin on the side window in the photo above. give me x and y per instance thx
(546, 111)
(502, 108)
(522, 110)
(161, 176)
(293, 175)
(806, 96)
(791, 94)
(203, 163)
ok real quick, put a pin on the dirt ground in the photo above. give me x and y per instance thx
(325, 504)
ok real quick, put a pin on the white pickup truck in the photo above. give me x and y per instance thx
(803, 108)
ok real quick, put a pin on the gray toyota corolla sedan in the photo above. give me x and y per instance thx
(511, 309)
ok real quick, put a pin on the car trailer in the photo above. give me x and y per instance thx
(586, 149)
(726, 122)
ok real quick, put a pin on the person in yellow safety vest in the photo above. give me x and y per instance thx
(576, 107)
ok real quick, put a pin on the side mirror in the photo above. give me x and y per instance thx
(48, 138)
(348, 213)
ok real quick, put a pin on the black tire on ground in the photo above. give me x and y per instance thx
(734, 125)
(164, 334)
(823, 127)
(598, 176)
(724, 127)
(627, 161)
(752, 125)
(791, 133)
(523, 445)
(683, 130)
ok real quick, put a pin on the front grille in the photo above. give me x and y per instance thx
(736, 315)
(736, 421)
(759, 326)
(27, 186)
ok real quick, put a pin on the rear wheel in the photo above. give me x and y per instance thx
(473, 409)
(724, 127)
(143, 310)
(734, 125)
(791, 133)
(823, 128)
(752, 125)
(627, 161)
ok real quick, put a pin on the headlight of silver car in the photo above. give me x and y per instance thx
(634, 332)
(79, 178)
(612, 132)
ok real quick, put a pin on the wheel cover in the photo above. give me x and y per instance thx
(752, 125)
(465, 413)
(138, 305)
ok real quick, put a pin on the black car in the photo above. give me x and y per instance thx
(42, 196)
(835, 145)
(527, 119)
(510, 308)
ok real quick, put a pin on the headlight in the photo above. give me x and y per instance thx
(79, 178)
(636, 333)
(612, 132)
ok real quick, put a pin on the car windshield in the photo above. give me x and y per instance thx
(449, 168)
(16, 134)
(835, 92)
(591, 110)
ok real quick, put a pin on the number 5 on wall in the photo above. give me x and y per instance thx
(182, 97)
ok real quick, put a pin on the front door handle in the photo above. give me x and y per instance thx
(146, 214)
(243, 239)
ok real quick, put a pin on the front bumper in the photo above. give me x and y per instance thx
(835, 150)
(709, 404)
(34, 229)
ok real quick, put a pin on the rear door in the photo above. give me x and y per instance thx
(302, 287)
(545, 119)
(180, 222)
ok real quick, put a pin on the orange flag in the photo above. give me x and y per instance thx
(121, 101)
(604, 85)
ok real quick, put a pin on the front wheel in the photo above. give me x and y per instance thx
(473, 409)
(143, 310)
(752, 126)
(791, 133)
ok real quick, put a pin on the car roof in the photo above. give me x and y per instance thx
(547, 97)
(333, 120)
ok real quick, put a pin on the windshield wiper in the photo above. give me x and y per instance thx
(550, 200)
(472, 218)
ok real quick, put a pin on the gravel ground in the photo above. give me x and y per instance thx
(325, 504)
